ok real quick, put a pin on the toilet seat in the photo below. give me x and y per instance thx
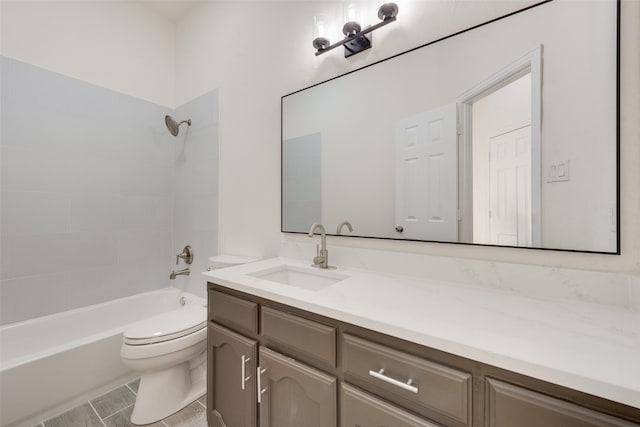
(167, 326)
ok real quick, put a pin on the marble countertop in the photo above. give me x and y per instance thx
(585, 346)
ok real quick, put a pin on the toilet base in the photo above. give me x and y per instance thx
(165, 392)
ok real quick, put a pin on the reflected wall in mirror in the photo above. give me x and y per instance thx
(505, 134)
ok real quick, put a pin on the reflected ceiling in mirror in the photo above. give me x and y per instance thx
(504, 134)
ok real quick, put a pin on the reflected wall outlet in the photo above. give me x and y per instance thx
(558, 171)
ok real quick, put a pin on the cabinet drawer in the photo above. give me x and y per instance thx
(418, 384)
(236, 313)
(509, 405)
(301, 337)
(362, 409)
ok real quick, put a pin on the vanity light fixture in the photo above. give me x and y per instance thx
(356, 39)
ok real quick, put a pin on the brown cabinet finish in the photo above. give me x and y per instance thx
(360, 409)
(452, 391)
(236, 313)
(287, 384)
(231, 384)
(509, 405)
(311, 340)
(416, 383)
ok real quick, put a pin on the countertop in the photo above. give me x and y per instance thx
(585, 346)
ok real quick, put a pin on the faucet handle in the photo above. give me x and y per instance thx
(317, 260)
(186, 255)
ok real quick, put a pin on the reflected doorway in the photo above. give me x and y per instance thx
(501, 152)
(500, 157)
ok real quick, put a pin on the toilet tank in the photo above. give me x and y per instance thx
(221, 261)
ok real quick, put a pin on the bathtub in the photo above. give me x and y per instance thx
(50, 364)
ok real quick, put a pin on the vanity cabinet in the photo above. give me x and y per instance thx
(272, 365)
(249, 384)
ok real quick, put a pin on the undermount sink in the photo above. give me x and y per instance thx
(299, 277)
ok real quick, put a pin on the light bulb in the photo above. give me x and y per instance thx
(320, 31)
(351, 12)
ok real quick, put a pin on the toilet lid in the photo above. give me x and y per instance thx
(167, 326)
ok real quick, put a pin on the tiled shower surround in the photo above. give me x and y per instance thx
(90, 182)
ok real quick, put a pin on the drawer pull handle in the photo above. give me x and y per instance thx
(405, 386)
(245, 377)
(260, 390)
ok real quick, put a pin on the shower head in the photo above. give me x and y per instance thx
(174, 126)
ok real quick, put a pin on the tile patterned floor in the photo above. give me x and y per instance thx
(114, 408)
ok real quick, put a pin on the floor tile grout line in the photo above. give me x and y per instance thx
(102, 420)
(116, 412)
(98, 415)
(132, 390)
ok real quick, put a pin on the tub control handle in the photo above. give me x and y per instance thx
(186, 255)
(405, 386)
(245, 377)
(261, 391)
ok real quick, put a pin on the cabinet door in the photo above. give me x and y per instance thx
(231, 379)
(294, 394)
(360, 409)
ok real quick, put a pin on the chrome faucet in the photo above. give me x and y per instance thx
(183, 272)
(342, 224)
(321, 260)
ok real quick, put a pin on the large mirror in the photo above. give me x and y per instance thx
(505, 134)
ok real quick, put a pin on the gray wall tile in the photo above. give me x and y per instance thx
(301, 189)
(74, 156)
(90, 172)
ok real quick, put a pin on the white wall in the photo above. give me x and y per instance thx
(253, 69)
(119, 45)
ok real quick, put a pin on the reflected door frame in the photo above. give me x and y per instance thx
(531, 62)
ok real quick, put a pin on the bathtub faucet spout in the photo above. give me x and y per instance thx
(182, 272)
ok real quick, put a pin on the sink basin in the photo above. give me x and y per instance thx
(299, 277)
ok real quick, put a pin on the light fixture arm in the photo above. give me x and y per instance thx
(356, 35)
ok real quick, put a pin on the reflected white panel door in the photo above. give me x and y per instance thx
(427, 175)
(510, 188)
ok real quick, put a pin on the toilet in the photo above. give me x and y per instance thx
(169, 351)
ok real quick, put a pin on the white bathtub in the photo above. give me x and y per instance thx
(51, 363)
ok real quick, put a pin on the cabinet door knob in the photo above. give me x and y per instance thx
(399, 229)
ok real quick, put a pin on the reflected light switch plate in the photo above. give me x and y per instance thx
(558, 171)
